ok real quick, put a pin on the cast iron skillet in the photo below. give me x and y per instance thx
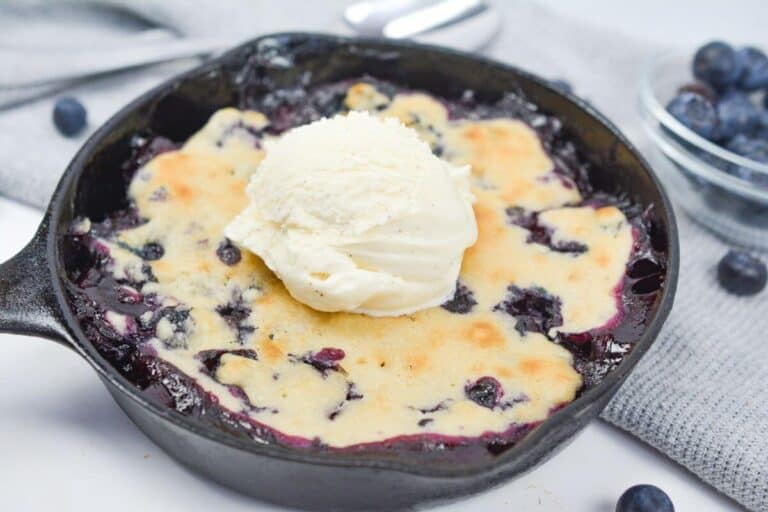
(33, 301)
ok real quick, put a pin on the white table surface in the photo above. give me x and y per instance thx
(66, 446)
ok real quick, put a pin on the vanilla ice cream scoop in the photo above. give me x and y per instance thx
(356, 214)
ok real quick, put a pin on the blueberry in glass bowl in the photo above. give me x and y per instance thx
(716, 166)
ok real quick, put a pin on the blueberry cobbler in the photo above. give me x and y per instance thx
(549, 299)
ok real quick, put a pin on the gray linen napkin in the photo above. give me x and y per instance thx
(700, 395)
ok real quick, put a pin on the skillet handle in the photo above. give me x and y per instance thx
(28, 303)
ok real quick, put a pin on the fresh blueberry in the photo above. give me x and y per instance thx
(754, 68)
(644, 498)
(761, 180)
(562, 85)
(762, 122)
(228, 253)
(485, 392)
(152, 251)
(712, 160)
(762, 131)
(695, 112)
(749, 147)
(740, 273)
(715, 63)
(735, 114)
(69, 116)
(755, 148)
(701, 89)
(762, 125)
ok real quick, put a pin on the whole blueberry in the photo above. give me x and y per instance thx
(754, 68)
(562, 85)
(228, 253)
(762, 120)
(735, 114)
(69, 116)
(749, 147)
(752, 147)
(644, 498)
(695, 112)
(740, 273)
(152, 251)
(761, 180)
(762, 126)
(711, 159)
(485, 392)
(715, 63)
(761, 133)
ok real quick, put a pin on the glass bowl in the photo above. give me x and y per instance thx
(725, 192)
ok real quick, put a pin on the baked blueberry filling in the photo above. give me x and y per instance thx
(440, 406)
(152, 251)
(352, 394)
(127, 314)
(228, 253)
(541, 234)
(235, 314)
(253, 133)
(462, 301)
(324, 360)
(534, 308)
(145, 148)
(211, 359)
(485, 392)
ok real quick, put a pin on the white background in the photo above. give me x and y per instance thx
(66, 446)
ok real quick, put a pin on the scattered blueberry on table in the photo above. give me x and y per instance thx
(69, 116)
(644, 498)
(741, 273)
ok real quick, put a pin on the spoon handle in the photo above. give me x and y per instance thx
(35, 68)
(399, 19)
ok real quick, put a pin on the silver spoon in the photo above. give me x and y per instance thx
(464, 24)
(400, 19)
